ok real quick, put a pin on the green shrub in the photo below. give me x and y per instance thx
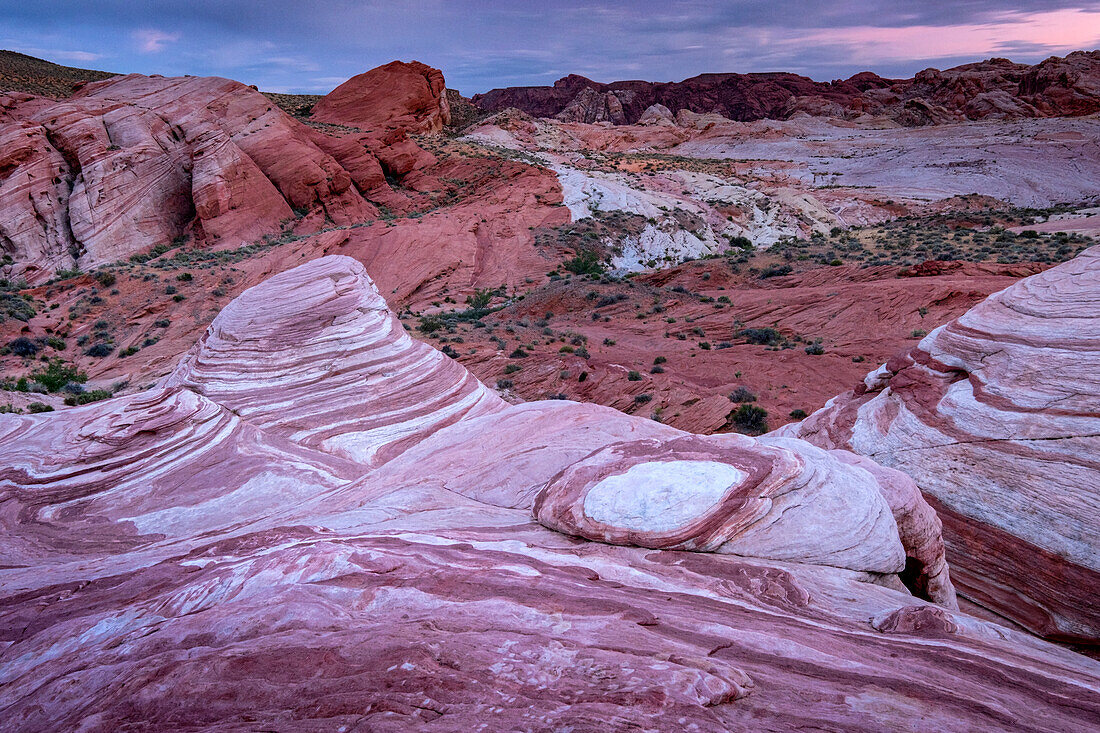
(36, 407)
(750, 419)
(633, 376)
(106, 278)
(85, 397)
(586, 262)
(57, 374)
(775, 271)
(762, 336)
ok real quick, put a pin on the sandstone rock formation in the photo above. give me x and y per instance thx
(136, 161)
(399, 95)
(996, 417)
(992, 89)
(213, 534)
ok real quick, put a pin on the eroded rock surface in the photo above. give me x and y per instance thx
(399, 95)
(202, 536)
(996, 416)
(136, 161)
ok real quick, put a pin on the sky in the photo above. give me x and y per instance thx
(311, 46)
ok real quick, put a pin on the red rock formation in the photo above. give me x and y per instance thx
(135, 161)
(404, 96)
(162, 540)
(996, 417)
(993, 89)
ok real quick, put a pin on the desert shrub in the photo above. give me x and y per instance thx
(23, 346)
(763, 336)
(185, 277)
(742, 394)
(750, 419)
(36, 407)
(504, 384)
(85, 397)
(106, 278)
(633, 376)
(641, 399)
(586, 262)
(775, 271)
(815, 349)
(798, 414)
(519, 353)
(659, 360)
(99, 349)
(57, 374)
(512, 368)
(14, 306)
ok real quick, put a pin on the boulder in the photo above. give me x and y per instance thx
(408, 96)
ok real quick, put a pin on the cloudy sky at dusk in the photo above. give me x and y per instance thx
(313, 45)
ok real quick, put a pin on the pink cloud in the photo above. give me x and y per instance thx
(1060, 30)
(151, 40)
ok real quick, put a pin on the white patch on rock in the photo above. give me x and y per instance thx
(660, 496)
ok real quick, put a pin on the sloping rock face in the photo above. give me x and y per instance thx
(997, 417)
(136, 161)
(328, 345)
(200, 536)
(992, 89)
(406, 96)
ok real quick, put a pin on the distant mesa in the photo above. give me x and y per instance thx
(992, 89)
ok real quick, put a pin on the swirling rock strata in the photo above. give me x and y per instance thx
(314, 354)
(215, 534)
(996, 415)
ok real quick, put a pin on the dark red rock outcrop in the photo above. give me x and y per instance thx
(992, 89)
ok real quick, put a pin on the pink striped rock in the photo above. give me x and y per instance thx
(996, 415)
(219, 534)
(314, 354)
